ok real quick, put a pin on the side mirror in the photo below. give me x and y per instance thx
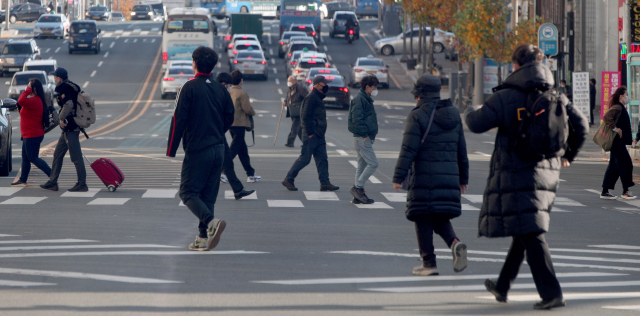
(8, 83)
(10, 104)
(99, 31)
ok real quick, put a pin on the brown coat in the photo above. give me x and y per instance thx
(242, 106)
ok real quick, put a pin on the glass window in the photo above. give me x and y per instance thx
(102, 9)
(83, 28)
(344, 16)
(336, 81)
(251, 55)
(45, 68)
(186, 25)
(302, 46)
(307, 64)
(116, 15)
(49, 18)
(245, 47)
(181, 71)
(370, 62)
(301, 6)
(141, 8)
(17, 49)
(23, 80)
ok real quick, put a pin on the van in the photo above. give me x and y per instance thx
(84, 35)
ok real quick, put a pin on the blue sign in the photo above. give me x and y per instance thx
(548, 39)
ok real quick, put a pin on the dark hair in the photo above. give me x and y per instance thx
(369, 80)
(224, 78)
(205, 58)
(526, 53)
(615, 98)
(236, 77)
(593, 80)
(563, 81)
(36, 87)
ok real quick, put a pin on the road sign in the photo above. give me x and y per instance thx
(548, 39)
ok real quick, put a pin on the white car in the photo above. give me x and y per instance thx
(46, 65)
(239, 37)
(183, 63)
(284, 41)
(313, 72)
(304, 64)
(243, 45)
(174, 77)
(51, 25)
(251, 63)
(316, 55)
(18, 84)
(370, 66)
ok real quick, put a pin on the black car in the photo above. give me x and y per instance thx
(24, 12)
(84, 36)
(338, 93)
(97, 13)
(5, 136)
(142, 12)
(16, 53)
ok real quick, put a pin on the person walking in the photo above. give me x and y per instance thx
(620, 164)
(32, 105)
(520, 191)
(70, 138)
(241, 122)
(202, 115)
(363, 123)
(293, 102)
(314, 127)
(592, 99)
(433, 146)
(229, 175)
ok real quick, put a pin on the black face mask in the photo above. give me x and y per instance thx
(325, 89)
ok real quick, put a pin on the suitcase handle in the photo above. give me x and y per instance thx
(87, 159)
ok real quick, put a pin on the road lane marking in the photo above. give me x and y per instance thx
(89, 194)
(270, 51)
(137, 30)
(22, 283)
(273, 61)
(482, 154)
(275, 71)
(373, 179)
(125, 253)
(566, 202)
(144, 33)
(9, 191)
(118, 31)
(279, 91)
(329, 56)
(89, 276)
(331, 144)
(570, 296)
(463, 288)
(615, 246)
(126, 34)
(273, 115)
(339, 118)
(100, 64)
(160, 194)
(229, 195)
(321, 196)
(24, 200)
(155, 29)
(277, 81)
(618, 307)
(92, 246)
(57, 50)
(109, 201)
(48, 49)
(285, 203)
(326, 49)
(112, 43)
(85, 84)
(342, 152)
(153, 40)
(374, 205)
(93, 74)
(626, 253)
(106, 54)
(468, 207)
(473, 198)
(135, 40)
(7, 235)
(46, 241)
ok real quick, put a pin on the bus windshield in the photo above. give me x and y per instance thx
(187, 25)
(300, 6)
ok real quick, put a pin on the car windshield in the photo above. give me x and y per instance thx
(250, 55)
(306, 64)
(45, 68)
(288, 35)
(49, 18)
(301, 46)
(16, 49)
(345, 16)
(141, 8)
(116, 14)
(101, 9)
(181, 71)
(83, 28)
(23, 79)
(186, 25)
(370, 62)
(300, 6)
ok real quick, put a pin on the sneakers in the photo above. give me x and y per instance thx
(356, 201)
(79, 188)
(628, 196)
(223, 178)
(199, 245)
(329, 187)
(607, 196)
(243, 193)
(358, 194)
(556, 302)
(252, 179)
(289, 185)
(491, 285)
(459, 251)
(18, 183)
(50, 186)
(215, 229)
(425, 271)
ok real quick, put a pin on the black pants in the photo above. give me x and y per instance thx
(296, 130)
(316, 147)
(239, 148)
(30, 151)
(229, 170)
(620, 166)
(425, 227)
(200, 181)
(69, 141)
(591, 114)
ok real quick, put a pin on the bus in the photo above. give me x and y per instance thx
(185, 30)
(366, 8)
(224, 8)
(299, 11)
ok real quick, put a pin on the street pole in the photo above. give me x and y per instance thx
(478, 89)
(514, 14)
(6, 15)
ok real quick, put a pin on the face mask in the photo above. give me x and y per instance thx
(627, 100)
(289, 84)
(374, 93)
(229, 89)
(325, 89)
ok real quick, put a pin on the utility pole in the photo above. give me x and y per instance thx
(514, 14)
(478, 87)
(7, 15)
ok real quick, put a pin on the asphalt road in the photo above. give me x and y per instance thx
(283, 253)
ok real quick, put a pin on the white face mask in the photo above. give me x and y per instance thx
(627, 100)
(374, 93)
(289, 84)
(229, 89)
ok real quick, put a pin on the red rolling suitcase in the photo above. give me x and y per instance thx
(108, 172)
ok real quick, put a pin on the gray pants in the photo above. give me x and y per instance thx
(367, 161)
(69, 141)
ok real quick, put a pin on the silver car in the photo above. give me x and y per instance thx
(116, 17)
(313, 72)
(369, 65)
(251, 63)
(284, 41)
(174, 78)
(18, 84)
(390, 45)
(304, 64)
(51, 25)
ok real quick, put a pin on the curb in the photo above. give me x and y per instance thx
(404, 66)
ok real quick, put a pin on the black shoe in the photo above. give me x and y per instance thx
(289, 145)
(356, 201)
(79, 188)
(556, 302)
(243, 193)
(329, 187)
(18, 183)
(289, 185)
(358, 194)
(50, 186)
(491, 287)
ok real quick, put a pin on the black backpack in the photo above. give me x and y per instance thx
(50, 118)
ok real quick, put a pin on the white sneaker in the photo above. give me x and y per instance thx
(254, 179)
(223, 178)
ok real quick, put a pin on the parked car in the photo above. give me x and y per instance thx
(338, 21)
(51, 25)
(27, 12)
(390, 45)
(369, 65)
(142, 12)
(338, 93)
(19, 82)
(174, 77)
(116, 17)
(46, 65)
(251, 63)
(284, 41)
(327, 9)
(6, 128)
(309, 29)
(16, 53)
(84, 36)
(99, 13)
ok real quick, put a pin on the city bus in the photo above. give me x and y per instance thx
(224, 8)
(300, 12)
(185, 30)
(366, 8)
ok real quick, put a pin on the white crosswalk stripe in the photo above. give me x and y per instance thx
(91, 193)
(161, 194)
(109, 201)
(285, 203)
(24, 200)
(321, 196)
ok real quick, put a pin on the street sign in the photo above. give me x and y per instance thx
(548, 39)
(551, 63)
(580, 89)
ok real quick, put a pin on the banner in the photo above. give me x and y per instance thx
(581, 92)
(610, 82)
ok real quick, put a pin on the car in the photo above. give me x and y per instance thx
(19, 82)
(84, 36)
(142, 12)
(27, 12)
(299, 45)
(369, 66)
(116, 17)
(338, 93)
(99, 13)
(183, 63)
(338, 21)
(318, 71)
(292, 62)
(319, 55)
(327, 9)
(51, 25)
(251, 63)
(309, 29)
(159, 16)
(16, 53)
(46, 65)
(284, 41)
(238, 37)
(390, 45)
(304, 64)
(174, 77)
(243, 45)
(6, 132)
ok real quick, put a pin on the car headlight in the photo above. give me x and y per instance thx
(87, 14)
(13, 91)
(106, 14)
(70, 39)
(133, 13)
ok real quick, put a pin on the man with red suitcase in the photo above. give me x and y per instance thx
(202, 115)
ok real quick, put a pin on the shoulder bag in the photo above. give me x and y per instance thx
(407, 179)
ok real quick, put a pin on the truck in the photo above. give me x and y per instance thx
(246, 23)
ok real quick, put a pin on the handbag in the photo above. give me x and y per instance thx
(251, 129)
(604, 137)
(294, 109)
(407, 179)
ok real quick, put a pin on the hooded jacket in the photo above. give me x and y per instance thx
(314, 114)
(363, 121)
(440, 164)
(520, 192)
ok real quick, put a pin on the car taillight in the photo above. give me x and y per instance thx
(245, 37)
(281, 43)
(249, 57)
(168, 79)
(165, 57)
(235, 52)
(345, 90)
(263, 62)
(297, 71)
(350, 32)
(235, 61)
(358, 70)
(383, 71)
(302, 27)
(230, 46)
(328, 66)
(309, 81)
(311, 62)
(227, 38)
(289, 55)
(294, 62)
(313, 33)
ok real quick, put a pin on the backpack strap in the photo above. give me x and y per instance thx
(433, 113)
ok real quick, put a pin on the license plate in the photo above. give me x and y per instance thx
(248, 71)
(14, 69)
(368, 7)
(83, 45)
(96, 18)
(46, 32)
(330, 99)
(372, 72)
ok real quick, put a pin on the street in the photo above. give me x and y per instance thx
(283, 253)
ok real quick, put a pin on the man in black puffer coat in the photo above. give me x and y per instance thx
(520, 190)
(440, 171)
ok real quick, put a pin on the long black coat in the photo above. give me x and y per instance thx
(520, 192)
(440, 165)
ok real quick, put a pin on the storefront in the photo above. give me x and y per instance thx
(633, 81)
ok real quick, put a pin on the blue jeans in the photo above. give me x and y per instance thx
(30, 151)
(367, 161)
